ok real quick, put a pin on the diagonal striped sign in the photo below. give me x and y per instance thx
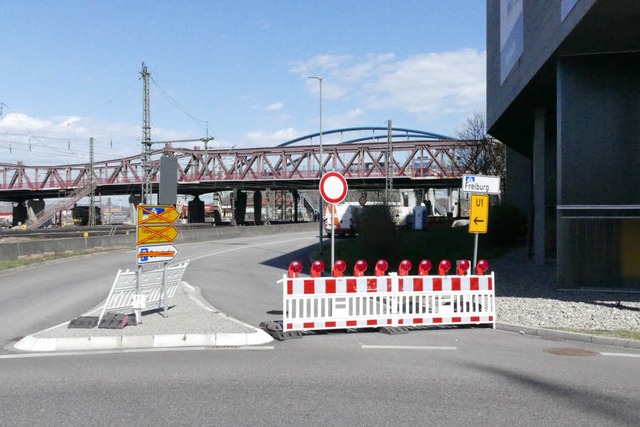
(164, 233)
(155, 253)
(156, 214)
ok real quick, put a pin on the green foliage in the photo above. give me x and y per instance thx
(35, 259)
(378, 234)
(379, 238)
(435, 245)
(507, 226)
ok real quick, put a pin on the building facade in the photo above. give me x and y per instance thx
(563, 93)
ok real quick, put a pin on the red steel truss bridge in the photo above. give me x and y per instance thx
(413, 159)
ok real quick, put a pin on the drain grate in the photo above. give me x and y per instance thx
(569, 351)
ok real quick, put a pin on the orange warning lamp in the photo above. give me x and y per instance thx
(483, 265)
(360, 268)
(443, 267)
(404, 267)
(424, 267)
(381, 267)
(338, 268)
(317, 268)
(294, 269)
(463, 267)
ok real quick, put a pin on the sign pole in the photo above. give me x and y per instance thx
(137, 311)
(333, 189)
(475, 251)
(333, 233)
(481, 186)
(164, 288)
(478, 220)
(155, 225)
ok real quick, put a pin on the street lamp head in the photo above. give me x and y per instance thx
(315, 77)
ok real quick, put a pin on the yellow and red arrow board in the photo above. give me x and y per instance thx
(158, 214)
(164, 233)
(156, 253)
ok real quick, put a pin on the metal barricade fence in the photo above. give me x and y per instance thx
(391, 300)
(123, 290)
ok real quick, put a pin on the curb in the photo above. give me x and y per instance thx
(569, 336)
(34, 344)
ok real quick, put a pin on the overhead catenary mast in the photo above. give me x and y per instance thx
(147, 165)
(388, 185)
(145, 196)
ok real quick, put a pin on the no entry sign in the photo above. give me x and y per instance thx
(333, 187)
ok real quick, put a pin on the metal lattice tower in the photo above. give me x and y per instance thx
(92, 199)
(147, 167)
(388, 185)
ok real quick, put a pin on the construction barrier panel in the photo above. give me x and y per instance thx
(391, 300)
(124, 288)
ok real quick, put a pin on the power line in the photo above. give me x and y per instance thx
(178, 107)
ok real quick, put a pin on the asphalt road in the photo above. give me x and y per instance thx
(426, 377)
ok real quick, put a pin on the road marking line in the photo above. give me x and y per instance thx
(406, 347)
(131, 350)
(240, 248)
(621, 355)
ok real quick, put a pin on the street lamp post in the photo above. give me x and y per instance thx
(320, 210)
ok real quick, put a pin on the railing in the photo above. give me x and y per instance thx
(48, 213)
(411, 159)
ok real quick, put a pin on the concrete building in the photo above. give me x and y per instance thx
(563, 92)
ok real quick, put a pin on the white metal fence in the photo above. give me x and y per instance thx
(392, 300)
(123, 290)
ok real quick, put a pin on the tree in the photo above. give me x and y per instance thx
(487, 156)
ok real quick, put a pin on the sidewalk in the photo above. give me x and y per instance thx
(190, 321)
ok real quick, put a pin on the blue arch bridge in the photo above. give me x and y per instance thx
(370, 158)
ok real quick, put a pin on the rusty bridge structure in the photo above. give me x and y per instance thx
(416, 160)
(408, 159)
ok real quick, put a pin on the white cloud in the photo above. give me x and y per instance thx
(433, 83)
(261, 138)
(65, 139)
(319, 64)
(425, 85)
(349, 119)
(275, 107)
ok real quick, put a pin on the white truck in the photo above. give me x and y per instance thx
(346, 219)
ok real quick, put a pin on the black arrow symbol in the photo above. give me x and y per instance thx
(476, 220)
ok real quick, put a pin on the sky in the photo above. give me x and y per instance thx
(235, 70)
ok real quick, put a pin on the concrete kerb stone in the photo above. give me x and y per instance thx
(37, 344)
(553, 334)
(198, 324)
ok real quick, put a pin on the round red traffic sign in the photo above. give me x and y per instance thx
(333, 187)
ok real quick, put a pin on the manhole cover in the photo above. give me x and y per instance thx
(568, 351)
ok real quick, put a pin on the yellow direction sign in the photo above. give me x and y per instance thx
(159, 214)
(156, 233)
(479, 213)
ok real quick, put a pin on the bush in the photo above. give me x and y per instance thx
(378, 237)
(507, 226)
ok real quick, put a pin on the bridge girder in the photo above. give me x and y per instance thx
(415, 164)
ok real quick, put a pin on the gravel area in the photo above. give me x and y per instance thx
(526, 295)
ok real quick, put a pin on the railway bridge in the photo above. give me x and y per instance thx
(402, 158)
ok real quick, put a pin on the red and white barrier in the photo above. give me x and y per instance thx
(360, 301)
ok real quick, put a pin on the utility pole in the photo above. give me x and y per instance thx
(389, 167)
(92, 199)
(320, 208)
(147, 190)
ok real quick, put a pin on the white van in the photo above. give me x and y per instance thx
(346, 219)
